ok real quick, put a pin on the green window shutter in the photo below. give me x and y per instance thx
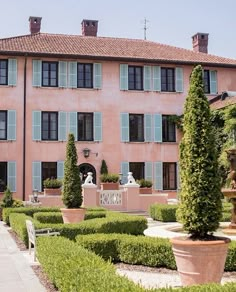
(147, 78)
(73, 124)
(37, 73)
(179, 82)
(213, 82)
(62, 134)
(124, 128)
(36, 176)
(72, 74)
(157, 128)
(178, 175)
(11, 175)
(11, 125)
(36, 125)
(97, 75)
(60, 169)
(148, 171)
(158, 172)
(97, 126)
(62, 80)
(156, 78)
(12, 72)
(124, 170)
(123, 77)
(148, 128)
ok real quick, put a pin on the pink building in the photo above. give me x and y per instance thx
(114, 94)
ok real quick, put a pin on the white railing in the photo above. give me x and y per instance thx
(112, 197)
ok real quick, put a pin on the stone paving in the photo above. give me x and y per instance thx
(16, 274)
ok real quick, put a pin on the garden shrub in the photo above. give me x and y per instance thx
(163, 212)
(27, 211)
(138, 250)
(72, 268)
(56, 217)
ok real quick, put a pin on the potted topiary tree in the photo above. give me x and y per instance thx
(145, 186)
(200, 257)
(72, 191)
(109, 181)
(52, 186)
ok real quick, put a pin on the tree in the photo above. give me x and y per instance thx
(104, 169)
(200, 198)
(7, 200)
(72, 192)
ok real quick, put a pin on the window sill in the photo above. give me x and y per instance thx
(134, 142)
(7, 141)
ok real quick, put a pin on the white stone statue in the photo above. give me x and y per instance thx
(89, 180)
(131, 180)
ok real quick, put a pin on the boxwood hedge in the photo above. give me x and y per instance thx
(163, 212)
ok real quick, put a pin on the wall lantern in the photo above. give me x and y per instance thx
(86, 152)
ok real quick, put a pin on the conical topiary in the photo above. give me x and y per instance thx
(72, 192)
(104, 169)
(200, 198)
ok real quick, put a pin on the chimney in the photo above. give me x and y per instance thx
(89, 27)
(34, 24)
(200, 42)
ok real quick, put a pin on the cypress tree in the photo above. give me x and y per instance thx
(72, 192)
(200, 198)
(104, 169)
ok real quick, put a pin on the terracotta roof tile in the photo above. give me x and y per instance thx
(106, 47)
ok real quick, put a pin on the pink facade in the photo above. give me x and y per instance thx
(110, 101)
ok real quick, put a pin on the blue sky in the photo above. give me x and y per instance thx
(169, 21)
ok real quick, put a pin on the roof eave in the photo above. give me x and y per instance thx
(112, 58)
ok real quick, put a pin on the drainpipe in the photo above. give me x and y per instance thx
(24, 128)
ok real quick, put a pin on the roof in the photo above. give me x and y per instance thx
(223, 100)
(74, 46)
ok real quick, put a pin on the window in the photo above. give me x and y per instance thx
(136, 127)
(49, 170)
(206, 81)
(85, 126)
(50, 74)
(3, 176)
(168, 79)
(85, 75)
(168, 129)
(135, 79)
(169, 176)
(3, 72)
(3, 125)
(50, 126)
(137, 168)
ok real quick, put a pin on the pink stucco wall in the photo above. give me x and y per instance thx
(110, 100)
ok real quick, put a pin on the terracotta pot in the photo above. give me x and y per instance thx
(200, 262)
(145, 190)
(73, 215)
(52, 192)
(109, 186)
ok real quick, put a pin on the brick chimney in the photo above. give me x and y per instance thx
(89, 27)
(200, 42)
(34, 24)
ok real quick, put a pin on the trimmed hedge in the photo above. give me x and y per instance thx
(137, 250)
(163, 212)
(73, 268)
(27, 211)
(228, 287)
(56, 217)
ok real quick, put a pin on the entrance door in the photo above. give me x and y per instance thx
(84, 168)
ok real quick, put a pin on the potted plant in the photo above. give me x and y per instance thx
(52, 186)
(145, 186)
(72, 191)
(200, 256)
(109, 181)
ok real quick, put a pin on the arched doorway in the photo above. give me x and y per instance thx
(84, 168)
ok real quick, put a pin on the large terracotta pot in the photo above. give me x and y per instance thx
(145, 190)
(52, 192)
(109, 186)
(200, 262)
(73, 215)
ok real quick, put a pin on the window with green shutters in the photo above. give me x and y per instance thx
(210, 81)
(8, 72)
(8, 125)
